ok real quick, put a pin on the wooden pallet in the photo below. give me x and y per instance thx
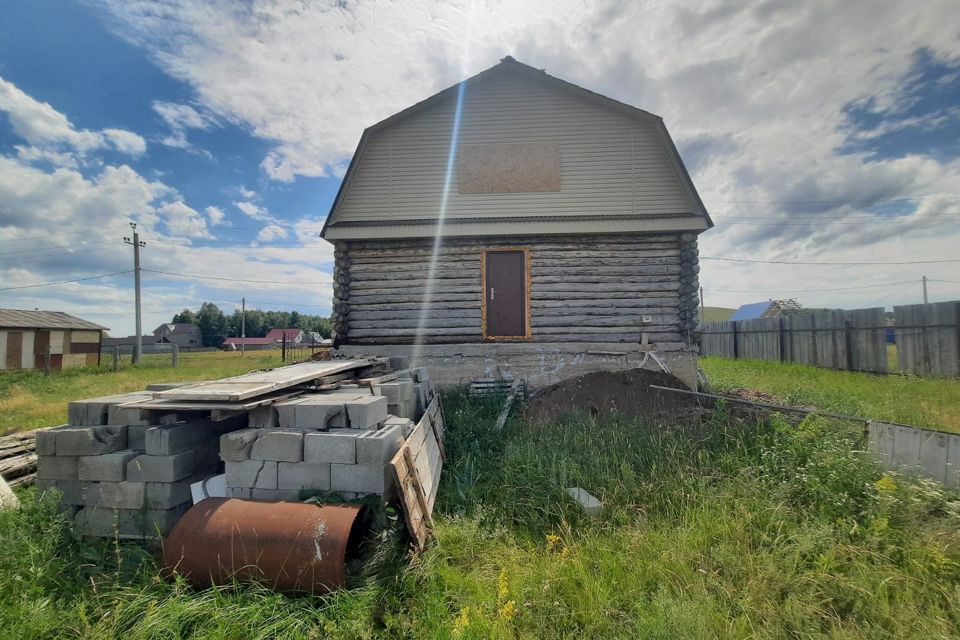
(417, 468)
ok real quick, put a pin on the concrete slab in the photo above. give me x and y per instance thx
(588, 502)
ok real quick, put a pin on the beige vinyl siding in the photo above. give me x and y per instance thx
(612, 163)
(594, 291)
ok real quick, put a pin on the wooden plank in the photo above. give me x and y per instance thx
(255, 384)
(210, 405)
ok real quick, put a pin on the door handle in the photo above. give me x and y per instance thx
(493, 293)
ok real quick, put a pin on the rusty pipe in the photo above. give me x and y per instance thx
(290, 546)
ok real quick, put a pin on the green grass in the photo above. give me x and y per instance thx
(28, 399)
(720, 529)
(924, 402)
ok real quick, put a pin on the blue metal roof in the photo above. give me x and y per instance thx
(750, 311)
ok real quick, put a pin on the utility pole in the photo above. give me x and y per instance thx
(925, 290)
(243, 327)
(135, 241)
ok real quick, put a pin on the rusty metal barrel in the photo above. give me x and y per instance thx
(290, 546)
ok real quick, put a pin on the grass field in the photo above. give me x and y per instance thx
(720, 529)
(28, 399)
(924, 402)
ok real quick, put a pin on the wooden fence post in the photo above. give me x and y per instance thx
(283, 348)
(813, 340)
(736, 341)
(783, 339)
(46, 362)
(175, 351)
(848, 338)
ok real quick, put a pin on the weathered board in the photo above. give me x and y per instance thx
(928, 338)
(417, 468)
(260, 383)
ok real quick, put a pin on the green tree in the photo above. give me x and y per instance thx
(213, 324)
(186, 316)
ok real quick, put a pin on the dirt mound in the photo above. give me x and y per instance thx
(607, 394)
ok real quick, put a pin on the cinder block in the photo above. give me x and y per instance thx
(405, 409)
(420, 374)
(331, 446)
(71, 491)
(589, 503)
(360, 478)
(96, 411)
(235, 446)
(47, 440)
(109, 467)
(399, 362)
(58, 467)
(127, 523)
(183, 436)
(147, 468)
(91, 441)
(126, 415)
(378, 447)
(137, 436)
(406, 425)
(275, 495)
(264, 418)
(252, 474)
(366, 412)
(420, 398)
(317, 415)
(122, 495)
(285, 412)
(281, 446)
(397, 391)
(240, 492)
(303, 475)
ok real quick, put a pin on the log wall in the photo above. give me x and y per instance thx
(584, 289)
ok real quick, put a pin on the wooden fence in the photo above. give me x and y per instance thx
(927, 338)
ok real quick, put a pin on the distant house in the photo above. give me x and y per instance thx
(27, 336)
(768, 309)
(273, 340)
(182, 334)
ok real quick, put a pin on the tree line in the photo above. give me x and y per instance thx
(216, 326)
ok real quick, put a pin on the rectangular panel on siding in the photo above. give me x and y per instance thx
(74, 360)
(84, 336)
(26, 351)
(56, 341)
(509, 168)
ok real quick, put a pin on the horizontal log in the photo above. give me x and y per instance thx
(364, 305)
(595, 307)
(632, 322)
(449, 284)
(411, 297)
(386, 332)
(631, 338)
(655, 300)
(400, 291)
(362, 313)
(628, 280)
(556, 251)
(578, 297)
(363, 247)
(414, 323)
(602, 289)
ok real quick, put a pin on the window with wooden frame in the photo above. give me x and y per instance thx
(505, 308)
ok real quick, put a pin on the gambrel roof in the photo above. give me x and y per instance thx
(620, 169)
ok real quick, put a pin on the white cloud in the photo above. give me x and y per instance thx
(126, 141)
(180, 118)
(53, 136)
(271, 232)
(215, 214)
(183, 221)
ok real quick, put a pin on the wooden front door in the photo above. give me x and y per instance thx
(505, 294)
(14, 349)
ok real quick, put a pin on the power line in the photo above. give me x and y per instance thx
(190, 275)
(50, 284)
(832, 264)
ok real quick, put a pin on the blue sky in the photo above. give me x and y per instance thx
(223, 129)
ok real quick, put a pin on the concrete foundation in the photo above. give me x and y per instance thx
(539, 363)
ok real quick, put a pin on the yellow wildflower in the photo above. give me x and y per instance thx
(886, 483)
(503, 588)
(565, 553)
(552, 542)
(508, 610)
(461, 622)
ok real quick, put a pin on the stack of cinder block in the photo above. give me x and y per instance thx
(119, 474)
(340, 442)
